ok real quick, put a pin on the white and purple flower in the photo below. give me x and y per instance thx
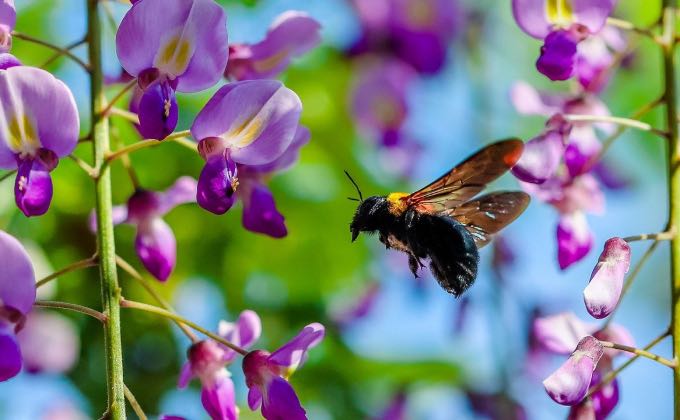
(606, 282)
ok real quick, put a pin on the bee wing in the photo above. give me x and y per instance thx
(468, 178)
(489, 213)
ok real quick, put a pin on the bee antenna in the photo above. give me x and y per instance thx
(361, 197)
(352, 199)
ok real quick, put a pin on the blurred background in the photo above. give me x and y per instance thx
(391, 338)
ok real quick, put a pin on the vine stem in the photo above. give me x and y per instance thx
(661, 236)
(60, 50)
(7, 175)
(72, 307)
(88, 262)
(124, 303)
(668, 21)
(106, 246)
(626, 122)
(639, 352)
(134, 404)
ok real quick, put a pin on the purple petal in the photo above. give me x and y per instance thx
(8, 18)
(281, 402)
(49, 330)
(257, 119)
(583, 147)
(156, 247)
(396, 410)
(293, 354)
(609, 176)
(36, 111)
(532, 18)
(143, 206)
(558, 55)
(592, 13)
(426, 52)
(244, 332)
(561, 333)
(216, 191)
(616, 334)
(8, 60)
(190, 42)
(10, 355)
(185, 375)
(529, 101)
(606, 282)
(291, 35)
(33, 184)
(569, 384)
(574, 239)
(218, 400)
(254, 398)
(582, 411)
(158, 112)
(182, 191)
(541, 157)
(17, 281)
(207, 361)
(582, 194)
(606, 398)
(290, 156)
(119, 214)
(260, 214)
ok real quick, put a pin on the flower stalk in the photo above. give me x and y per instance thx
(106, 248)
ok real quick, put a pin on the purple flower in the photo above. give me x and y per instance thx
(38, 125)
(171, 45)
(249, 123)
(569, 384)
(17, 295)
(8, 60)
(208, 360)
(562, 24)
(266, 375)
(8, 18)
(155, 243)
(48, 330)
(291, 35)
(606, 282)
(560, 333)
(543, 154)
(595, 58)
(574, 239)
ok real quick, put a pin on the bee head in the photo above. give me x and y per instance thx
(369, 216)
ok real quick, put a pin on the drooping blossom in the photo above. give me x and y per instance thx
(171, 45)
(249, 123)
(208, 360)
(606, 282)
(417, 32)
(8, 18)
(291, 35)
(48, 330)
(562, 25)
(155, 242)
(543, 154)
(570, 382)
(596, 58)
(17, 295)
(267, 375)
(38, 125)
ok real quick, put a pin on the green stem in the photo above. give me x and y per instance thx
(639, 352)
(88, 262)
(60, 50)
(167, 314)
(7, 175)
(626, 122)
(134, 404)
(72, 307)
(661, 236)
(106, 246)
(59, 53)
(119, 95)
(629, 26)
(668, 21)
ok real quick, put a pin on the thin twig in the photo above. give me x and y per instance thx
(131, 84)
(88, 262)
(127, 164)
(627, 122)
(143, 144)
(629, 26)
(71, 307)
(661, 236)
(58, 54)
(130, 116)
(125, 266)
(162, 312)
(134, 404)
(7, 175)
(639, 352)
(46, 44)
(89, 170)
(607, 142)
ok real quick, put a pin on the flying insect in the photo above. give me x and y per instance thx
(444, 222)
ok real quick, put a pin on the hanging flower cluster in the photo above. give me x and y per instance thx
(8, 18)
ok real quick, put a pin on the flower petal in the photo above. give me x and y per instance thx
(558, 55)
(182, 191)
(532, 18)
(219, 400)
(184, 39)
(529, 101)
(36, 110)
(17, 281)
(156, 247)
(592, 13)
(541, 157)
(293, 354)
(10, 355)
(244, 332)
(8, 60)
(33, 186)
(290, 156)
(257, 119)
(574, 239)
(606, 282)
(254, 398)
(560, 333)
(281, 402)
(606, 398)
(617, 334)
(186, 374)
(260, 214)
(569, 384)
(49, 330)
(158, 112)
(583, 147)
(216, 191)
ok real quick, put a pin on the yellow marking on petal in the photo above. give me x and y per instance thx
(22, 136)
(174, 56)
(270, 63)
(396, 203)
(559, 12)
(245, 133)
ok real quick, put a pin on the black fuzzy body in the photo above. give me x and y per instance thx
(445, 242)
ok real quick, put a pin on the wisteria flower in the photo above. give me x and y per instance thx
(155, 242)
(560, 333)
(171, 45)
(48, 330)
(606, 282)
(543, 154)
(249, 123)
(208, 360)
(17, 295)
(291, 35)
(569, 384)
(562, 25)
(38, 125)
(596, 57)
(267, 375)
(8, 18)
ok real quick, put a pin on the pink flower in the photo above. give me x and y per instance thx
(569, 384)
(606, 282)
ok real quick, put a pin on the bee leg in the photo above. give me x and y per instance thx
(384, 240)
(414, 264)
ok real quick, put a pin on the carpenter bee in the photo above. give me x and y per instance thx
(442, 222)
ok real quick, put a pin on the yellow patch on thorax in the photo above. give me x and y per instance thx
(396, 203)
